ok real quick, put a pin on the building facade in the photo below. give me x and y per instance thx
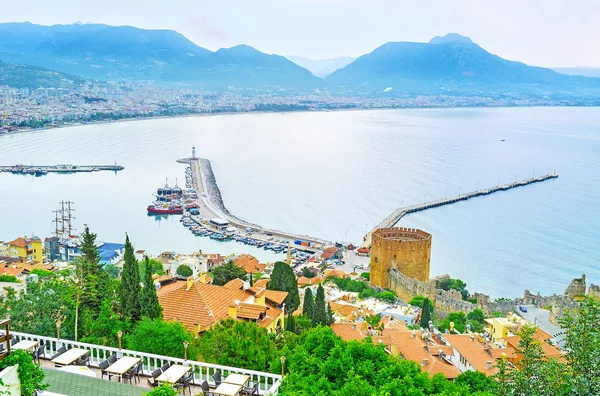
(406, 249)
(27, 248)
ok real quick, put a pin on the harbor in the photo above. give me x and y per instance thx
(42, 170)
(399, 213)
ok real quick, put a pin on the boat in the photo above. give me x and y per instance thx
(160, 208)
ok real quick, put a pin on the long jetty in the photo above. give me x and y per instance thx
(399, 213)
(40, 170)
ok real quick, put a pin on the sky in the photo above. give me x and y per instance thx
(548, 33)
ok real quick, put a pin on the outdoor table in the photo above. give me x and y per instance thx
(122, 365)
(226, 389)
(237, 379)
(81, 370)
(173, 374)
(25, 345)
(70, 356)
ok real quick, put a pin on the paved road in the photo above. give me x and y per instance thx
(539, 317)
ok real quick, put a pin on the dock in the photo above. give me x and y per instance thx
(210, 205)
(42, 170)
(399, 213)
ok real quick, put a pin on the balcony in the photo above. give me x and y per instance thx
(61, 381)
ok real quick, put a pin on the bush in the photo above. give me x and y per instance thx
(9, 278)
(417, 301)
(163, 390)
(161, 338)
(31, 375)
(42, 273)
(366, 275)
(184, 270)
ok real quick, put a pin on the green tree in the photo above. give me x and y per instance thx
(156, 267)
(150, 307)
(582, 343)
(104, 330)
(284, 279)
(303, 323)
(308, 307)
(320, 312)
(31, 376)
(161, 338)
(184, 270)
(226, 272)
(290, 323)
(42, 273)
(456, 284)
(417, 301)
(163, 390)
(93, 273)
(112, 270)
(307, 273)
(458, 318)
(129, 289)
(9, 279)
(425, 314)
(476, 381)
(365, 275)
(238, 344)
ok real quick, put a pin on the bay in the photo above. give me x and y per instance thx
(336, 175)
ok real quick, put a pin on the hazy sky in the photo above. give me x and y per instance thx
(538, 32)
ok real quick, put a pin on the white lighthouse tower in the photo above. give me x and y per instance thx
(193, 153)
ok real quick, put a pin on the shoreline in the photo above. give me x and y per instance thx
(235, 113)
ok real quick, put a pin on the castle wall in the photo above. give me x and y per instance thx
(411, 256)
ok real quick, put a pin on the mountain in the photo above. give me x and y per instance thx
(129, 53)
(25, 76)
(578, 71)
(322, 67)
(452, 64)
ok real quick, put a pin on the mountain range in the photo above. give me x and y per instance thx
(25, 76)
(129, 53)
(452, 64)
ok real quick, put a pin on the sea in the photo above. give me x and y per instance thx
(336, 175)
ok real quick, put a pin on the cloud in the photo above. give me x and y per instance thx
(202, 27)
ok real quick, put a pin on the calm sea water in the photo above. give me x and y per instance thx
(337, 174)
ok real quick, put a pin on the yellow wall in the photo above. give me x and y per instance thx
(272, 327)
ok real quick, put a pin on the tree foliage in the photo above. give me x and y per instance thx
(320, 316)
(284, 279)
(104, 330)
(238, 344)
(226, 272)
(308, 306)
(456, 284)
(150, 307)
(91, 273)
(156, 267)
(31, 376)
(161, 338)
(184, 271)
(417, 301)
(425, 314)
(129, 289)
(163, 390)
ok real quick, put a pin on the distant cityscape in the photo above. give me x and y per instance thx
(46, 107)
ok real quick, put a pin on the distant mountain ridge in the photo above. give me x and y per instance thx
(578, 71)
(25, 76)
(322, 67)
(129, 53)
(450, 64)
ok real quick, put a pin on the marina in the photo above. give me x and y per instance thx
(42, 170)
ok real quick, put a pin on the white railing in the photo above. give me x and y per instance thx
(268, 383)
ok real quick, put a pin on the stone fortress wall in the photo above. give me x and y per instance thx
(445, 302)
(407, 250)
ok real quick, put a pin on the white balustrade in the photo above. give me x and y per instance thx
(268, 383)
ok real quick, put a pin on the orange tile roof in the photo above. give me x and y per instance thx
(335, 272)
(250, 311)
(249, 263)
(276, 297)
(203, 304)
(348, 331)
(261, 283)
(19, 242)
(11, 271)
(413, 348)
(234, 284)
(551, 351)
(473, 351)
(304, 281)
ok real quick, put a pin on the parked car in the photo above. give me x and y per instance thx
(522, 308)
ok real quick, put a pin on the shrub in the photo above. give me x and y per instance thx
(184, 270)
(9, 278)
(163, 390)
(31, 375)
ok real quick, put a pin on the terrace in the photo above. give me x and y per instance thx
(91, 383)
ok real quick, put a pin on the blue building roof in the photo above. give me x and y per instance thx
(109, 251)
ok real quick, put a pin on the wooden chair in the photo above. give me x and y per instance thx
(253, 390)
(152, 380)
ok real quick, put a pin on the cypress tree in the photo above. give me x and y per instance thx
(330, 316)
(308, 308)
(290, 323)
(320, 312)
(150, 306)
(425, 314)
(284, 279)
(129, 289)
(92, 274)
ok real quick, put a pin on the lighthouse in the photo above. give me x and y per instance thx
(193, 153)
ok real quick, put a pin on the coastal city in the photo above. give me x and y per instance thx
(46, 107)
(299, 198)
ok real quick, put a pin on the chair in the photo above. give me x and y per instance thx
(128, 375)
(217, 377)
(103, 366)
(152, 380)
(205, 389)
(39, 352)
(83, 361)
(112, 358)
(187, 382)
(60, 351)
(165, 366)
(138, 370)
(253, 390)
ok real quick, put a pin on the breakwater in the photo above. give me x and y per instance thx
(399, 213)
(41, 170)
